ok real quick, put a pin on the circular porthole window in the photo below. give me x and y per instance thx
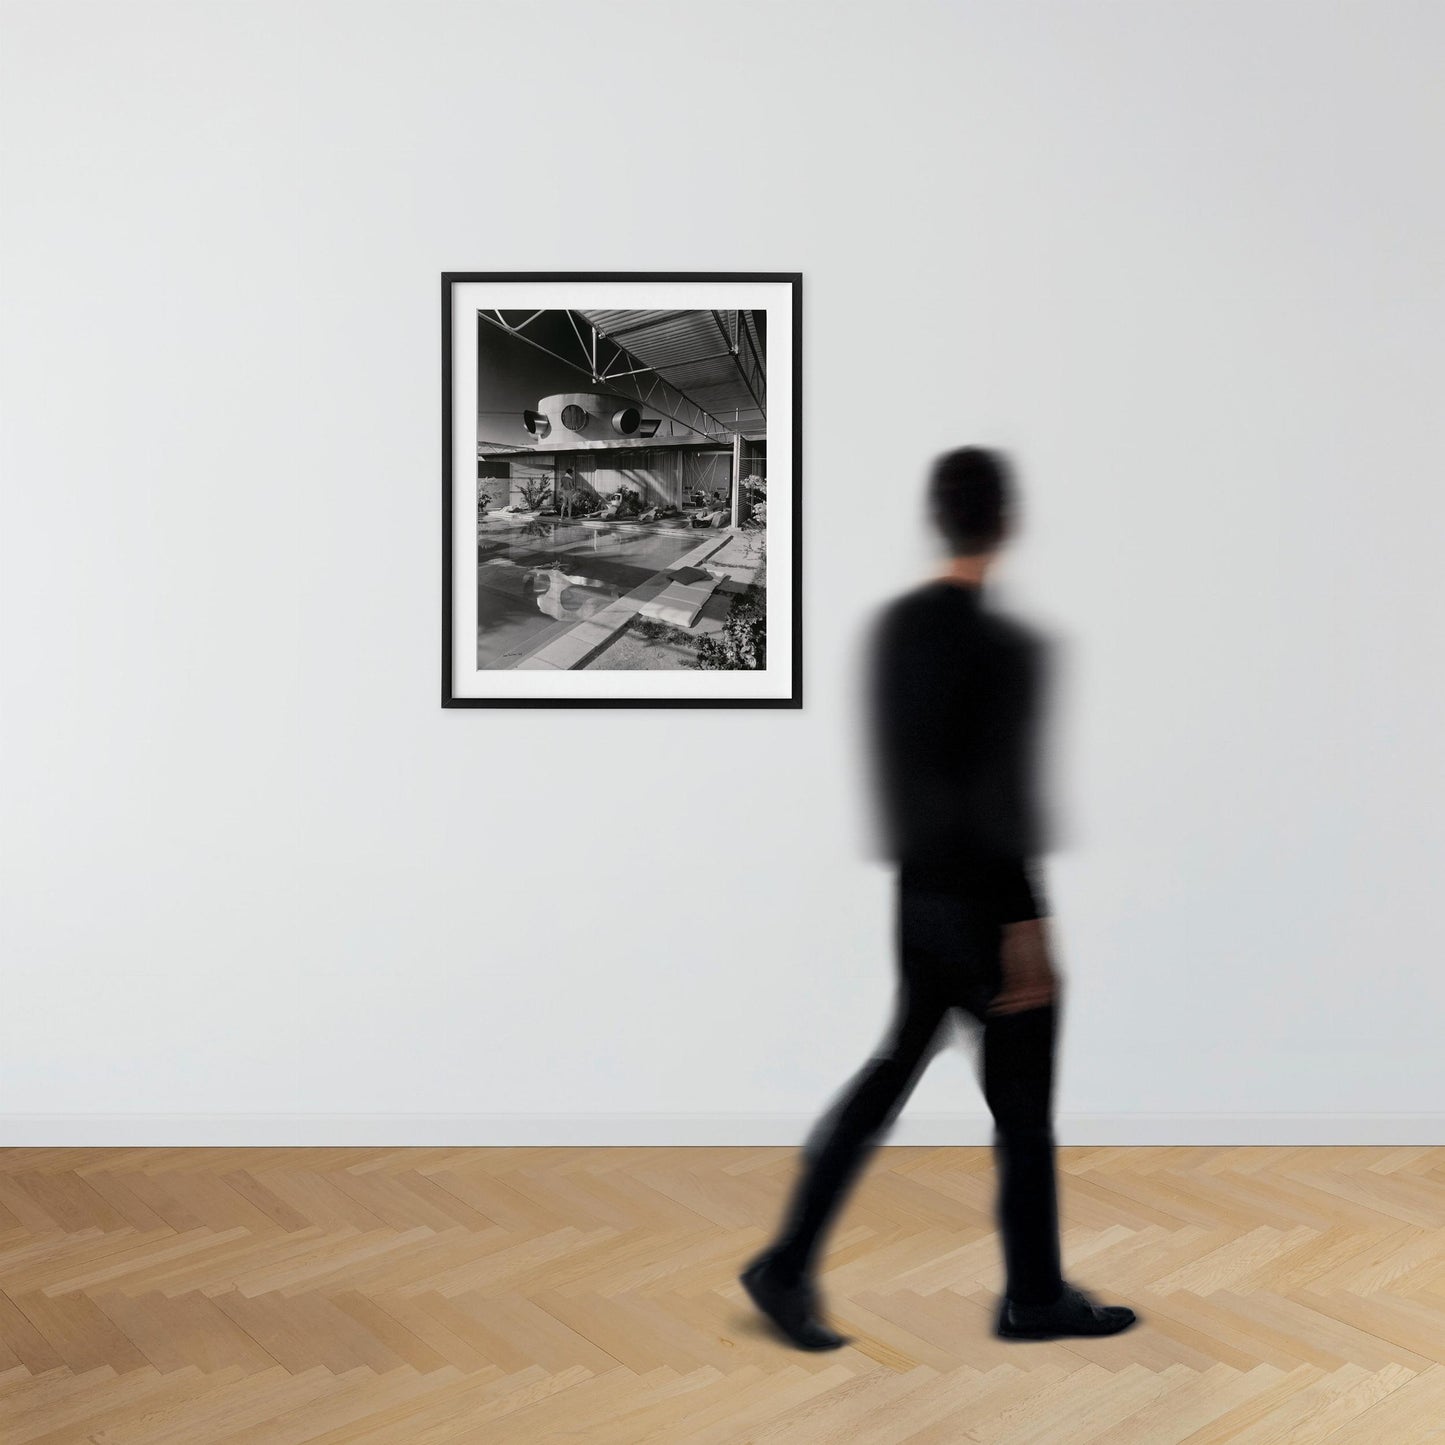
(627, 420)
(574, 417)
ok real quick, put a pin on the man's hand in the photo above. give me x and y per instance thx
(1029, 980)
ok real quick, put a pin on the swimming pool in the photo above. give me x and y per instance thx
(537, 579)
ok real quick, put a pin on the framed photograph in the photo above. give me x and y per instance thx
(621, 489)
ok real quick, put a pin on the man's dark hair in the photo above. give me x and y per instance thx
(970, 495)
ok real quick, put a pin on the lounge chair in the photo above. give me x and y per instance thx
(680, 602)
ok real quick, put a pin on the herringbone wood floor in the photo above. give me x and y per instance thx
(416, 1296)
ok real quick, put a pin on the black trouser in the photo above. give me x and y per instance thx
(949, 934)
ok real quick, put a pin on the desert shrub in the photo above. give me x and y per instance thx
(742, 645)
(536, 493)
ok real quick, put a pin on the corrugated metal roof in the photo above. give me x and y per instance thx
(694, 352)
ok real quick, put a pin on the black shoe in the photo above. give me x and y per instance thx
(792, 1305)
(1073, 1313)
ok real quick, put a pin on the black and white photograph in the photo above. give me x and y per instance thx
(620, 506)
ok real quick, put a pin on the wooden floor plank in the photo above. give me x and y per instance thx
(1289, 1296)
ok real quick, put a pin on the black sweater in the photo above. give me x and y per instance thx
(956, 694)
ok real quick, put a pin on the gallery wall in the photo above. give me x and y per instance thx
(1183, 259)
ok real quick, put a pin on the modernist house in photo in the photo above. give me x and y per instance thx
(621, 492)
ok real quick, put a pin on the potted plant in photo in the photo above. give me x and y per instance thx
(535, 494)
(754, 495)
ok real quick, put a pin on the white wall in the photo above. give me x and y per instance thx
(1184, 258)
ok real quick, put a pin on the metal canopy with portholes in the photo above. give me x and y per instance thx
(702, 370)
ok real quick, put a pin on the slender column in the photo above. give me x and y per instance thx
(737, 478)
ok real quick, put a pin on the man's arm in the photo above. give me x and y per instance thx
(918, 728)
(924, 724)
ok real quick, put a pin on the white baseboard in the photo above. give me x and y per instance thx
(669, 1130)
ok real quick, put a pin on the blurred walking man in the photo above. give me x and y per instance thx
(955, 699)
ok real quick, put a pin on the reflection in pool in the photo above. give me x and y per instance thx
(536, 579)
(568, 597)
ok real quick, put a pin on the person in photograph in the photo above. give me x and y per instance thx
(955, 700)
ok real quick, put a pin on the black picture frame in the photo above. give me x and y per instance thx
(794, 280)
